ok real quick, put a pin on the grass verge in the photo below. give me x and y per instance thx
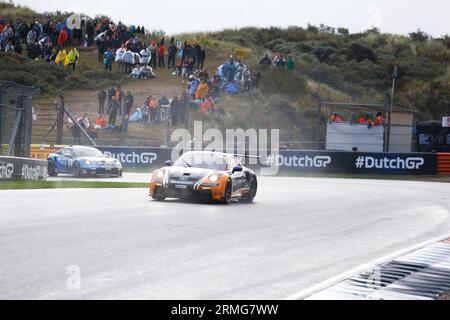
(13, 185)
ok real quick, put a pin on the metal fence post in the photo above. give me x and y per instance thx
(1, 118)
(60, 121)
(319, 118)
(28, 125)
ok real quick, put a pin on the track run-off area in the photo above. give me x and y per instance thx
(118, 243)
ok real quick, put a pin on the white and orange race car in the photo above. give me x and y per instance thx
(205, 175)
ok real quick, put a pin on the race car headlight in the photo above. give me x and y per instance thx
(213, 178)
(118, 163)
(159, 174)
(88, 162)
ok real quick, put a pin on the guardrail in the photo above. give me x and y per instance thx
(13, 168)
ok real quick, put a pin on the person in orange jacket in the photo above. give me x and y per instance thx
(379, 120)
(154, 107)
(100, 122)
(202, 90)
(336, 118)
(161, 50)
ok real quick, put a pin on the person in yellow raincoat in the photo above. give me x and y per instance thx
(61, 57)
(202, 90)
(72, 58)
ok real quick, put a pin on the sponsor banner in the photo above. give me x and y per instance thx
(13, 168)
(355, 162)
(302, 161)
(138, 157)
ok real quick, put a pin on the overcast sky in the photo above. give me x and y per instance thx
(175, 16)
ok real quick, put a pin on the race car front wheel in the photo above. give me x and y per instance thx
(158, 195)
(76, 169)
(51, 170)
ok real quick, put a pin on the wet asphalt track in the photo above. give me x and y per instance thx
(299, 232)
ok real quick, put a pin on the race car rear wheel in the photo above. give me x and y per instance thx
(51, 170)
(227, 194)
(252, 193)
(76, 169)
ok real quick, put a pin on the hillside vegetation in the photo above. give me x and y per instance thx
(341, 66)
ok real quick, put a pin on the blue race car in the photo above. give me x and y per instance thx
(83, 161)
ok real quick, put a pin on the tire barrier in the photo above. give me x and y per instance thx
(13, 168)
(443, 163)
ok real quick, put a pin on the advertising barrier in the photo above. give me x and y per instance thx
(138, 157)
(303, 161)
(355, 162)
(13, 168)
(290, 161)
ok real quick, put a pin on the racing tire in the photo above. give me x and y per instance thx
(227, 194)
(252, 193)
(76, 170)
(51, 170)
(158, 195)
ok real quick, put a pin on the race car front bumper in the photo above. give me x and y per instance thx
(103, 172)
(187, 191)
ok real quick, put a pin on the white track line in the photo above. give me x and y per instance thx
(362, 268)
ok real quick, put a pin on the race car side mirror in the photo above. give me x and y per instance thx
(237, 169)
(168, 163)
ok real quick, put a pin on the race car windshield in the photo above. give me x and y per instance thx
(204, 161)
(88, 152)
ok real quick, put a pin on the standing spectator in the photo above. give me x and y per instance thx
(31, 37)
(183, 107)
(172, 54)
(111, 94)
(164, 105)
(128, 60)
(265, 62)
(146, 110)
(109, 58)
(129, 100)
(246, 78)
(113, 113)
(72, 58)
(152, 48)
(154, 107)
(279, 61)
(174, 110)
(146, 56)
(119, 56)
(161, 52)
(290, 64)
(100, 41)
(61, 57)
(101, 101)
(256, 76)
(119, 95)
(63, 37)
